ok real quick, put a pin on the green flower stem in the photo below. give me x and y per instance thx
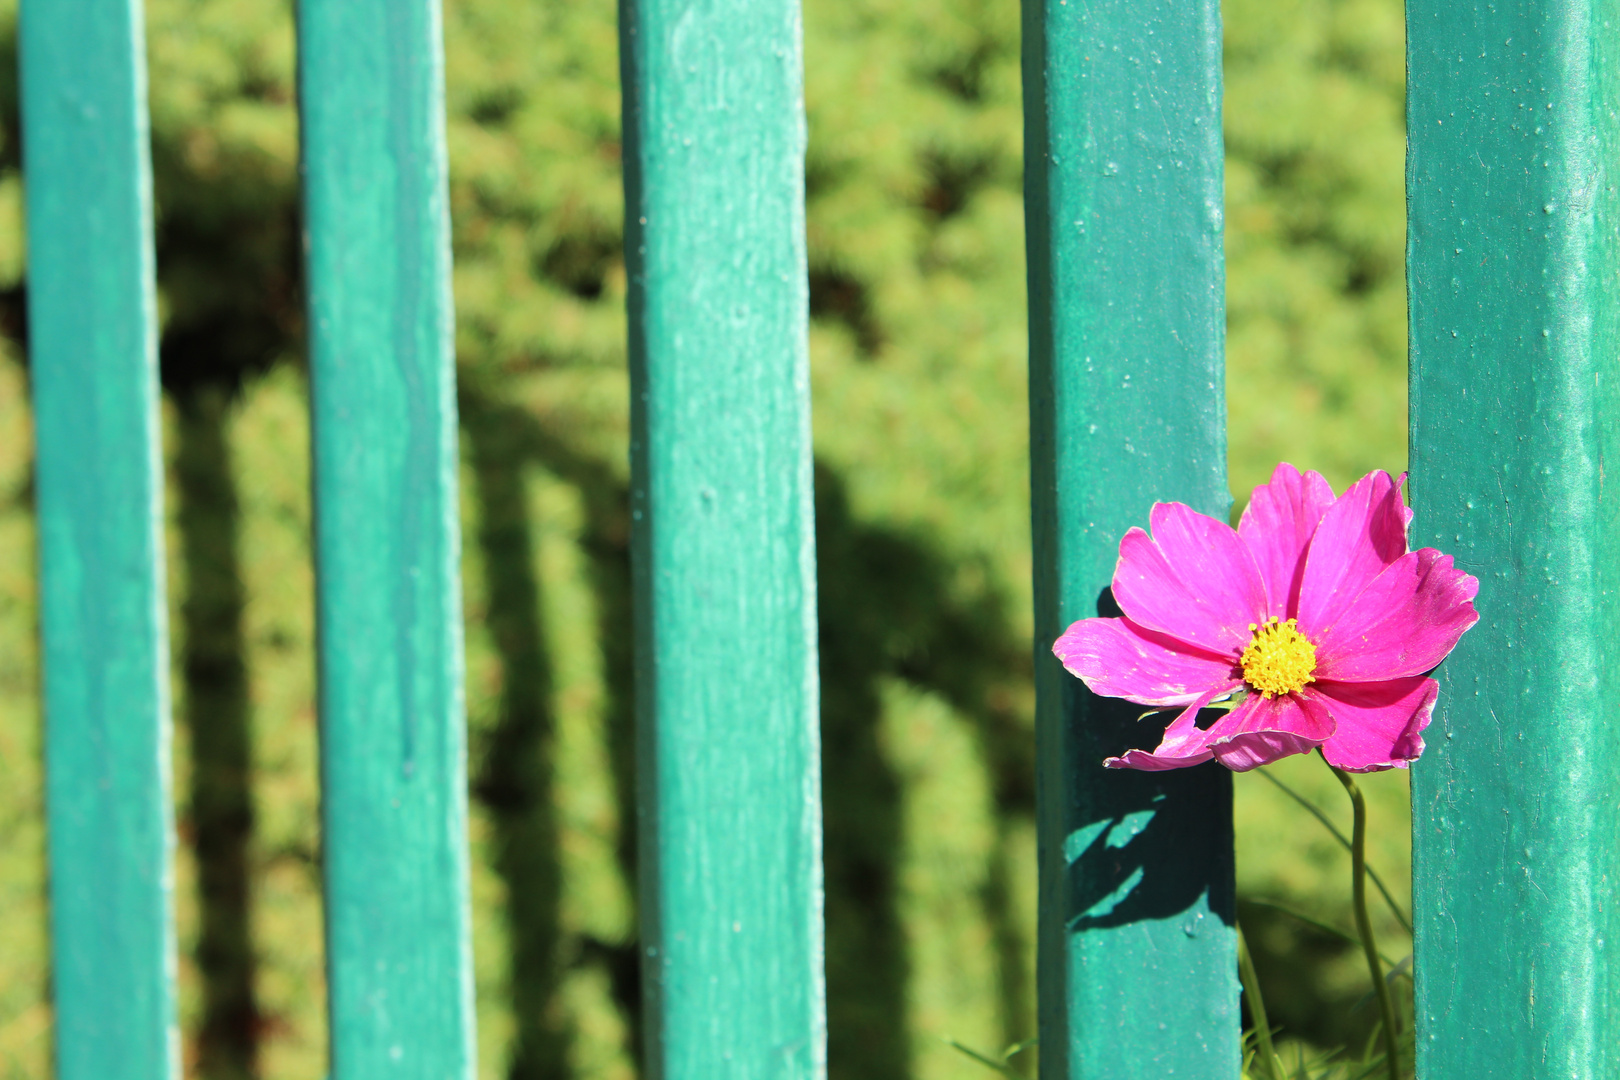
(1358, 871)
(1257, 1008)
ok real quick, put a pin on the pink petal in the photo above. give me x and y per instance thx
(1406, 511)
(1142, 761)
(1194, 579)
(1278, 524)
(1360, 534)
(1183, 743)
(1117, 658)
(1378, 723)
(1261, 730)
(1257, 732)
(1402, 624)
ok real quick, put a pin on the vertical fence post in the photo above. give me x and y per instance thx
(1123, 160)
(726, 682)
(1514, 278)
(393, 749)
(92, 349)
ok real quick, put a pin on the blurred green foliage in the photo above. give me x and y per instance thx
(918, 353)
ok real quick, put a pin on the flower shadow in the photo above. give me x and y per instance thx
(1142, 846)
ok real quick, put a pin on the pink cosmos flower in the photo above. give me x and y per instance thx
(1311, 623)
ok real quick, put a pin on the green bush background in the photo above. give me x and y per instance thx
(918, 358)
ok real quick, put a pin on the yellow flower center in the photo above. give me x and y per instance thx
(1280, 659)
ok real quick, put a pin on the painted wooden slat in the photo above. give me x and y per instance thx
(727, 692)
(1514, 279)
(1123, 159)
(93, 367)
(393, 739)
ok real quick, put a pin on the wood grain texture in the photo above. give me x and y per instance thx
(727, 697)
(93, 365)
(393, 738)
(1137, 955)
(1513, 261)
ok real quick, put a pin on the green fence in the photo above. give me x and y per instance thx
(1514, 249)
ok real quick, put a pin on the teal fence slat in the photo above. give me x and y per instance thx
(1138, 964)
(727, 691)
(1514, 279)
(93, 367)
(393, 739)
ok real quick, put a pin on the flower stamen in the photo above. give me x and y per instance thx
(1280, 659)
